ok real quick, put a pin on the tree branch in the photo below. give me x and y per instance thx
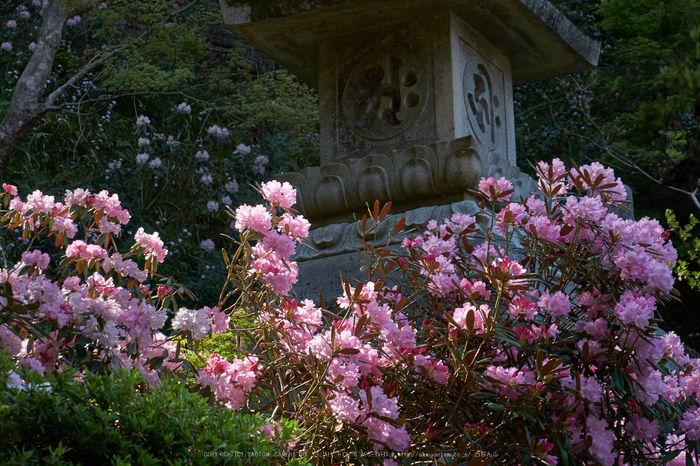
(99, 59)
(606, 146)
(95, 100)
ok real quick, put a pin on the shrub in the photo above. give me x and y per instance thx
(526, 335)
(119, 419)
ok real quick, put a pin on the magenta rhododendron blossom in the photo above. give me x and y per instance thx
(496, 189)
(279, 194)
(255, 218)
(152, 245)
(9, 189)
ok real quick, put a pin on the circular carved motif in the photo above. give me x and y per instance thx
(385, 94)
(482, 97)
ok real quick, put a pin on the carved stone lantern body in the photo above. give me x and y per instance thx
(416, 101)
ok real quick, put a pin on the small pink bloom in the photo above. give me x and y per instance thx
(12, 24)
(7, 46)
(9, 189)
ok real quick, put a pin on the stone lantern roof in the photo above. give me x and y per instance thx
(539, 40)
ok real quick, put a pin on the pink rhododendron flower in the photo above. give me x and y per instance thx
(558, 304)
(551, 177)
(691, 423)
(643, 429)
(277, 273)
(12, 24)
(277, 243)
(37, 258)
(38, 202)
(603, 441)
(230, 380)
(6, 46)
(151, 244)
(255, 218)
(9, 189)
(496, 189)
(460, 316)
(616, 193)
(279, 194)
(271, 430)
(198, 322)
(636, 309)
(81, 250)
(511, 381)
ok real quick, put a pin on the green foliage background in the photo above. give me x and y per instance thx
(193, 59)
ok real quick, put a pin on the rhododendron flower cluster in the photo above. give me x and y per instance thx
(541, 320)
(98, 304)
(577, 336)
(271, 255)
(530, 335)
(231, 381)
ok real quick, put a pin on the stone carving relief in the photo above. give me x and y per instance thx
(416, 176)
(385, 94)
(483, 98)
(340, 238)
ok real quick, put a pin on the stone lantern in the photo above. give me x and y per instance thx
(416, 103)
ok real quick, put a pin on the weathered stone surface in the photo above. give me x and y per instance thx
(413, 82)
(540, 41)
(343, 237)
(434, 174)
(393, 74)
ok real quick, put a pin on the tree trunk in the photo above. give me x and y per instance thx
(26, 108)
